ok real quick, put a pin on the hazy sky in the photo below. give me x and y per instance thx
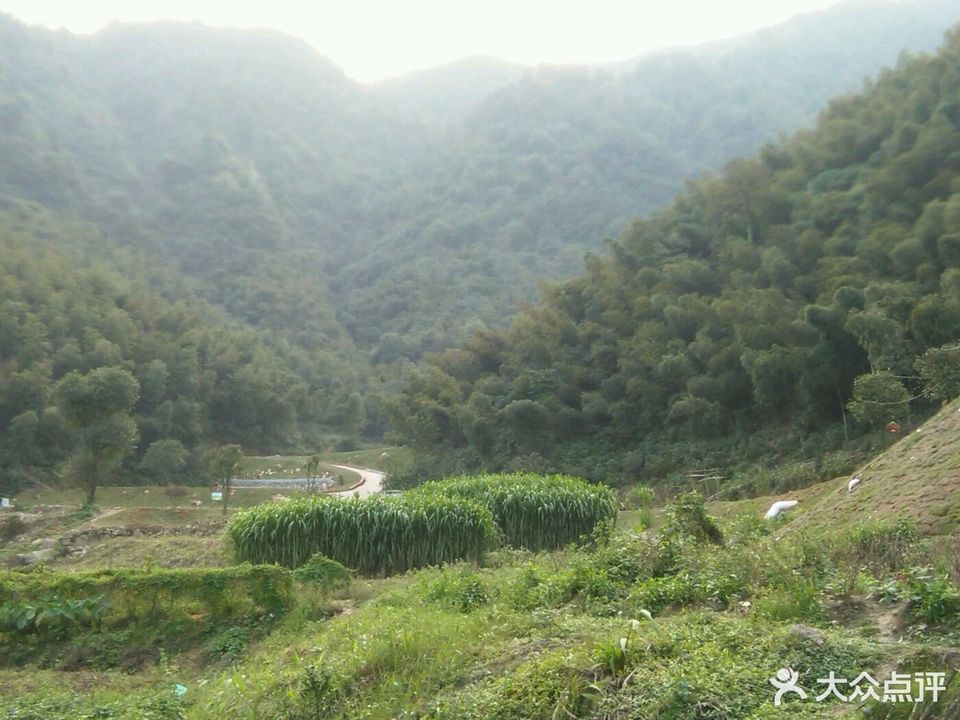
(373, 39)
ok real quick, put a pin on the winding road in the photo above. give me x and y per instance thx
(372, 482)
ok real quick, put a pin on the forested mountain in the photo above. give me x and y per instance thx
(312, 235)
(321, 208)
(71, 303)
(818, 280)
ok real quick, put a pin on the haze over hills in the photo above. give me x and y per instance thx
(353, 228)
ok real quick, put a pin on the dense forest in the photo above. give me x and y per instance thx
(267, 248)
(815, 285)
(70, 305)
(325, 210)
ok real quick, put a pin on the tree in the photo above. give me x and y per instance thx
(223, 463)
(878, 398)
(313, 470)
(939, 369)
(97, 408)
(163, 460)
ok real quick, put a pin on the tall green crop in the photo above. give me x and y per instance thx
(377, 535)
(536, 512)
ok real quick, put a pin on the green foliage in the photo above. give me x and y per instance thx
(878, 398)
(533, 511)
(798, 601)
(464, 591)
(378, 535)
(321, 571)
(230, 644)
(56, 705)
(223, 463)
(939, 370)
(97, 406)
(40, 599)
(687, 518)
(934, 599)
(51, 615)
(164, 460)
(10, 526)
(772, 296)
(878, 547)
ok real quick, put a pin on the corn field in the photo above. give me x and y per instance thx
(376, 535)
(533, 511)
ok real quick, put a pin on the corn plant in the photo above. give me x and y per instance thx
(376, 536)
(536, 512)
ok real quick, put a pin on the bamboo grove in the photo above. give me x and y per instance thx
(440, 522)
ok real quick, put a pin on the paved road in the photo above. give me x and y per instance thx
(372, 482)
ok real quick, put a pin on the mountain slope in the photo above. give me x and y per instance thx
(758, 303)
(321, 210)
(71, 301)
(917, 478)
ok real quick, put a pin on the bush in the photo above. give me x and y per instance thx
(878, 548)
(464, 591)
(11, 526)
(327, 574)
(687, 518)
(229, 644)
(535, 512)
(933, 598)
(639, 496)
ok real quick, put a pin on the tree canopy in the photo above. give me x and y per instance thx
(818, 273)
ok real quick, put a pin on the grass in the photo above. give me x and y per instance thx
(566, 633)
(153, 496)
(915, 478)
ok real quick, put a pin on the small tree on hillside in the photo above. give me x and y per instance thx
(224, 463)
(879, 398)
(97, 408)
(939, 370)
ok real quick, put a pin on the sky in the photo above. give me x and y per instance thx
(375, 39)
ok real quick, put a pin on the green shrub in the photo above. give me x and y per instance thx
(639, 497)
(327, 574)
(876, 548)
(933, 598)
(117, 596)
(687, 518)
(464, 591)
(378, 535)
(798, 601)
(536, 512)
(230, 643)
(11, 526)
(51, 615)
